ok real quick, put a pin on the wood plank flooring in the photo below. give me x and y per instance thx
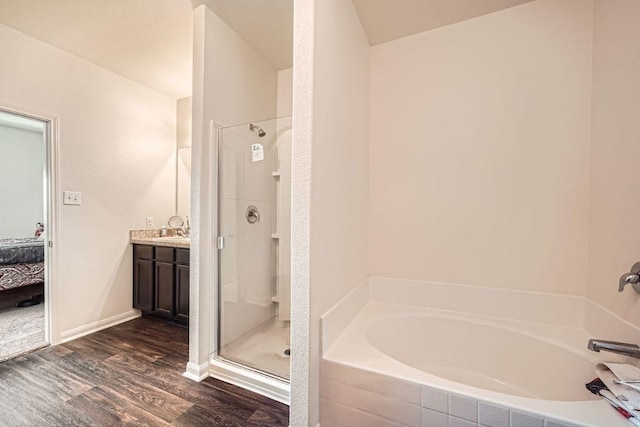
(129, 375)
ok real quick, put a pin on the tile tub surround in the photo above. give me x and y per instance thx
(359, 382)
(150, 236)
(352, 397)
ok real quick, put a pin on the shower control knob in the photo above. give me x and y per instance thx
(252, 215)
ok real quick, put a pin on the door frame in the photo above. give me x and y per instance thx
(51, 203)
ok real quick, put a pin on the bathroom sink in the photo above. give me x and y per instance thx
(171, 239)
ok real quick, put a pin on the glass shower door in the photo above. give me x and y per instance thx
(254, 221)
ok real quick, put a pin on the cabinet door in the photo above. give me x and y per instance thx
(182, 293)
(143, 284)
(164, 289)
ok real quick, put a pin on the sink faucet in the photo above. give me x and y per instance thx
(625, 349)
(182, 232)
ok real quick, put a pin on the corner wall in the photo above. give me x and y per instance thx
(117, 146)
(480, 136)
(232, 84)
(615, 183)
(330, 177)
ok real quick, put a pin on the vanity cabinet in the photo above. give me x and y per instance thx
(143, 277)
(182, 293)
(164, 289)
(161, 282)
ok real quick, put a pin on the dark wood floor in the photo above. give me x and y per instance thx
(126, 375)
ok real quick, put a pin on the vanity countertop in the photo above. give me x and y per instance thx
(152, 237)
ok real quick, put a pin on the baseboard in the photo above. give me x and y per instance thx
(196, 372)
(90, 328)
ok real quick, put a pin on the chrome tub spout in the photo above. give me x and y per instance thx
(625, 349)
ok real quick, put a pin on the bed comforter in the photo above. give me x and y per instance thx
(21, 262)
(17, 275)
(21, 250)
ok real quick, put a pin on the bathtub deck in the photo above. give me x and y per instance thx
(358, 380)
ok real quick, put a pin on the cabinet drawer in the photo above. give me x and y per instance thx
(164, 254)
(142, 251)
(182, 256)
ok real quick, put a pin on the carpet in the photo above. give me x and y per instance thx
(21, 331)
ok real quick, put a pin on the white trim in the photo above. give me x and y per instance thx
(51, 204)
(90, 328)
(215, 128)
(250, 380)
(51, 228)
(196, 372)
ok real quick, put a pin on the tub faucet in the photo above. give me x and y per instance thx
(625, 349)
(632, 277)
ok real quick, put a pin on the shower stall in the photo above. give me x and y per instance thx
(253, 284)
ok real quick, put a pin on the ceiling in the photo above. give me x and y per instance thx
(150, 41)
(265, 25)
(386, 20)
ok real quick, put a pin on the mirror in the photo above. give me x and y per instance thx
(183, 157)
(183, 182)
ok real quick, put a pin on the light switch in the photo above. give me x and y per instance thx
(72, 198)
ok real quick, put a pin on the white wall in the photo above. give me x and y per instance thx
(232, 84)
(285, 92)
(117, 146)
(304, 380)
(480, 150)
(340, 169)
(332, 248)
(615, 149)
(21, 181)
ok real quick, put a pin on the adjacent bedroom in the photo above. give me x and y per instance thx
(22, 235)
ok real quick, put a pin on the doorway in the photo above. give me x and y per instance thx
(26, 147)
(254, 280)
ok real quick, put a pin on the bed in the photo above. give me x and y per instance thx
(21, 267)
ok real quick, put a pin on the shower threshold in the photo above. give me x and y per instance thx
(271, 386)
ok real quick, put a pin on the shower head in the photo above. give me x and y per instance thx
(257, 129)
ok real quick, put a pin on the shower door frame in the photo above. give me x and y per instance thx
(221, 368)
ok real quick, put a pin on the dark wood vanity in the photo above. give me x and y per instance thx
(161, 282)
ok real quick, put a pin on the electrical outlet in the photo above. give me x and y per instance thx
(150, 222)
(72, 198)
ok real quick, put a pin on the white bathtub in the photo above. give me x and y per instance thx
(400, 352)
